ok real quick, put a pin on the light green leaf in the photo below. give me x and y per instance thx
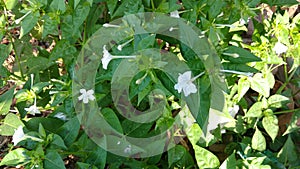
(258, 141)
(270, 124)
(243, 87)
(53, 160)
(6, 101)
(255, 110)
(10, 4)
(29, 22)
(11, 122)
(15, 157)
(260, 84)
(277, 100)
(204, 158)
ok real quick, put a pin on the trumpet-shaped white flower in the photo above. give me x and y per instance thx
(86, 95)
(280, 48)
(18, 135)
(185, 83)
(107, 57)
(216, 118)
(33, 110)
(174, 14)
(120, 47)
(61, 116)
(107, 25)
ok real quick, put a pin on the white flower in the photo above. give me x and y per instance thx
(127, 150)
(185, 83)
(61, 116)
(107, 57)
(86, 95)
(175, 14)
(216, 118)
(33, 110)
(280, 48)
(18, 135)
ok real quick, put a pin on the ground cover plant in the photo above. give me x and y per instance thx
(90, 83)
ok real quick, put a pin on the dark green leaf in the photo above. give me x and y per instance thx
(29, 22)
(6, 101)
(288, 152)
(53, 160)
(239, 55)
(69, 131)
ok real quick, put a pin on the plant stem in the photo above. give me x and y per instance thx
(286, 111)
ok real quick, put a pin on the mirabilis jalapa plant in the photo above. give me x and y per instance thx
(47, 134)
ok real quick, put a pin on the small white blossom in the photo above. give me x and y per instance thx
(33, 110)
(107, 57)
(18, 135)
(175, 14)
(280, 48)
(86, 95)
(185, 83)
(127, 150)
(216, 118)
(61, 116)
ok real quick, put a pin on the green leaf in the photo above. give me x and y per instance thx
(11, 122)
(58, 5)
(50, 124)
(53, 160)
(10, 4)
(229, 163)
(81, 165)
(288, 152)
(175, 154)
(128, 7)
(255, 110)
(146, 42)
(243, 87)
(69, 131)
(50, 26)
(36, 64)
(112, 119)
(29, 22)
(270, 124)
(57, 141)
(280, 2)
(277, 101)
(204, 158)
(260, 84)
(6, 101)
(258, 141)
(15, 157)
(239, 55)
(293, 124)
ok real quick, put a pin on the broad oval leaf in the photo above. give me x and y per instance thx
(270, 124)
(258, 141)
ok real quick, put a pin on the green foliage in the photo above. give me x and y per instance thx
(256, 90)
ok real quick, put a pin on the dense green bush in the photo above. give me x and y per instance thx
(256, 41)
